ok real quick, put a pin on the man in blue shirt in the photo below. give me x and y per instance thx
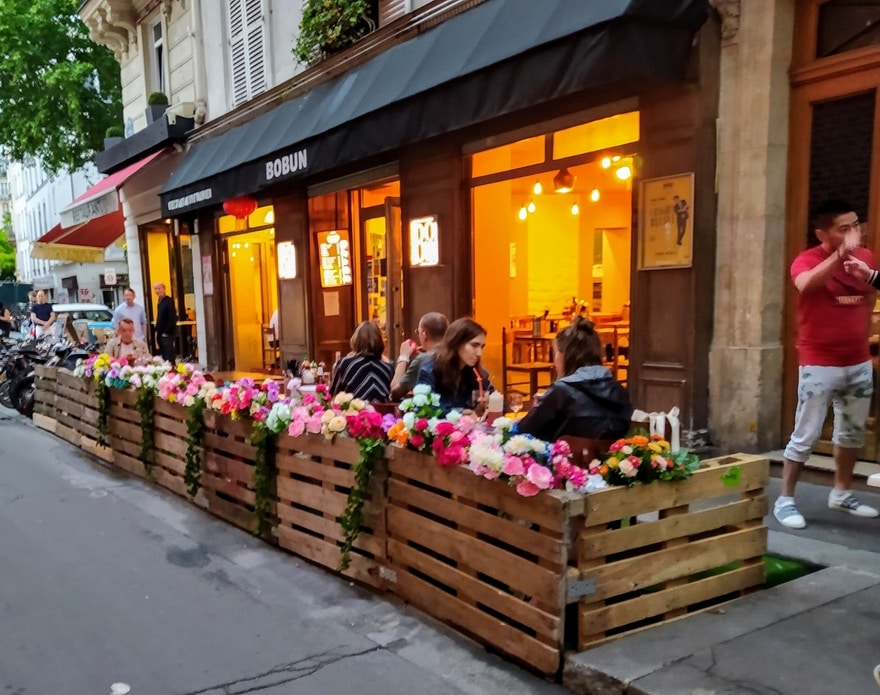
(129, 310)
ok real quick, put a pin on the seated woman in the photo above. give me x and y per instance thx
(454, 371)
(364, 373)
(585, 401)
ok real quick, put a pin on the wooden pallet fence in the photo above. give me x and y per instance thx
(475, 554)
(314, 479)
(652, 553)
(228, 471)
(76, 408)
(45, 388)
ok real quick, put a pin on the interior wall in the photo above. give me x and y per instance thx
(159, 258)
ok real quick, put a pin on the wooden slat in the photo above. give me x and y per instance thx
(169, 443)
(543, 657)
(129, 464)
(69, 407)
(546, 510)
(340, 449)
(126, 431)
(222, 466)
(609, 542)
(596, 620)
(168, 425)
(228, 487)
(328, 528)
(315, 497)
(327, 554)
(546, 625)
(235, 515)
(77, 425)
(319, 471)
(650, 569)
(519, 574)
(507, 531)
(616, 503)
(228, 445)
(170, 463)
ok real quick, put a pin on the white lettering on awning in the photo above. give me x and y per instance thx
(191, 199)
(287, 164)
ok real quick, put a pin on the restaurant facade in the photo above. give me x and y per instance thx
(517, 160)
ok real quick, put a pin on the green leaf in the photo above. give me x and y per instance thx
(732, 476)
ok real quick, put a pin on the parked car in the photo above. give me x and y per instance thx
(84, 319)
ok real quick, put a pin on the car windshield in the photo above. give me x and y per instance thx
(94, 315)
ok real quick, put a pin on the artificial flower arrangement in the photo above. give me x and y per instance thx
(421, 414)
(120, 374)
(644, 459)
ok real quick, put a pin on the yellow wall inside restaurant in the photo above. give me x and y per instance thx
(159, 259)
(616, 248)
(555, 264)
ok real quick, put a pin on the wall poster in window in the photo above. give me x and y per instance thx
(666, 222)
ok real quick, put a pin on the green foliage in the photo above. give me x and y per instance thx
(146, 407)
(59, 91)
(157, 99)
(329, 26)
(371, 452)
(114, 131)
(103, 424)
(7, 251)
(263, 441)
(195, 436)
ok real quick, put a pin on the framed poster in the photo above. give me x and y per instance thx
(207, 276)
(666, 222)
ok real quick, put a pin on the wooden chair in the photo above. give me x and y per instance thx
(523, 374)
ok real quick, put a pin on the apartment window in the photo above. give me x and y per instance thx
(248, 49)
(157, 41)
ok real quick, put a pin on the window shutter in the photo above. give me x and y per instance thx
(238, 41)
(256, 46)
(248, 49)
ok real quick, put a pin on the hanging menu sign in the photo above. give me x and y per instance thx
(334, 252)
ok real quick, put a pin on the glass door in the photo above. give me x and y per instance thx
(382, 272)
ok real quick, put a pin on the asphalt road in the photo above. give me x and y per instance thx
(108, 584)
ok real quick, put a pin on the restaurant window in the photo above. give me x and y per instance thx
(157, 67)
(552, 239)
(248, 252)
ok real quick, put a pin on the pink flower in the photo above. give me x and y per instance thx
(635, 461)
(540, 476)
(314, 424)
(297, 428)
(309, 399)
(421, 424)
(617, 446)
(490, 473)
(417, 440)
(445, 429)
(513, 465)
(527, 488)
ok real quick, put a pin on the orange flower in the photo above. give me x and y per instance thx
(603, 471)
(639, 440)
(398, 433)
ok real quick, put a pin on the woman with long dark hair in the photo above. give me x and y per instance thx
(454, 373)
(364, 373)
(585, 400)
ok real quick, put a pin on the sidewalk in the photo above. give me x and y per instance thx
(816, 635)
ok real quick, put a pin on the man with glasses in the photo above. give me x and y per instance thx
(834, 365)
(432, 328)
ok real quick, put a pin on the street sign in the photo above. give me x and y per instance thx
(110, 276)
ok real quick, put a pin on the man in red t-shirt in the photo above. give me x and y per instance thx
(834, 366)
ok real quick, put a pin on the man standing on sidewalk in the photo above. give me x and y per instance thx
(166, 322)
(129, 310)
(834, 366)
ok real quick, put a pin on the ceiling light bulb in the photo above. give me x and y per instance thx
(623, 173)
(575, 209)
(537, 189)
(523, 213)
(615, 158)
(270, 217)
(531, 206)
(594, 195)
(606, 162)
(563, 182)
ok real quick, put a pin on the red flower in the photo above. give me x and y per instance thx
(421, 424)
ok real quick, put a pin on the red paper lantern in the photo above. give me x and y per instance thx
(240, 207)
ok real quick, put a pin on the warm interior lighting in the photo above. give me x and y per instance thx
(523, 213)
(563, 182)
(531, 206)
(537, 189)
(575, 209)
(623, 173)
(269, 217)
(595, 195)
(286, 260)
(606, 162)
(167, 220)
(424, 242)
(335, 257)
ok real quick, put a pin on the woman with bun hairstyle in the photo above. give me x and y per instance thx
(585, 400)
(454, 372)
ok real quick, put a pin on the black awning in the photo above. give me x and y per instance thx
(499, 58)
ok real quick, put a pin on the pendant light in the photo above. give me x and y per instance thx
(537, 189)
(523, 213)
(575, 209)
(531, 206)
(595, 195)
(563, 182)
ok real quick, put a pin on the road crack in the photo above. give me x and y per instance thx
(289, 672)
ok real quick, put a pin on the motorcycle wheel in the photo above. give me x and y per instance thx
(21, 393)
(5, 401)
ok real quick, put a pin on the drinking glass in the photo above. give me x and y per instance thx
(515, 401)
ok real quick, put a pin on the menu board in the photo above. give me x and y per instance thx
(334, 254)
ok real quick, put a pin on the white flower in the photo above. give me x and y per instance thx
(518, 444)
(453, 416)
(358, 404)
(594, 482)
(189, 401)
(539, 446)
(406, 405)
(421, 390)
(628, 469)
(485, 452)
(502, 423)
(419, 400)
(433, 422)
(409, 419)
(435, 399)
(343, 398)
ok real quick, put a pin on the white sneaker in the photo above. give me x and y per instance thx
(853, 505)
(788, 515)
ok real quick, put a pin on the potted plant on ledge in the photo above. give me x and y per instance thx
(157, 103)
(329, 26)
(113, 136)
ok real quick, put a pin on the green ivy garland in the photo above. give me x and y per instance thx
(195, 436)
(103, 412)
(146, 406)
(263, 441)
(371, 452)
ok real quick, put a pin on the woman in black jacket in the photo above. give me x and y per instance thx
(585, 401)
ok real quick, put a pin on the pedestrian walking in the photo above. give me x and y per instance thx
(166, 323)
(129, 310)
(42, 316)
(834, 366)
